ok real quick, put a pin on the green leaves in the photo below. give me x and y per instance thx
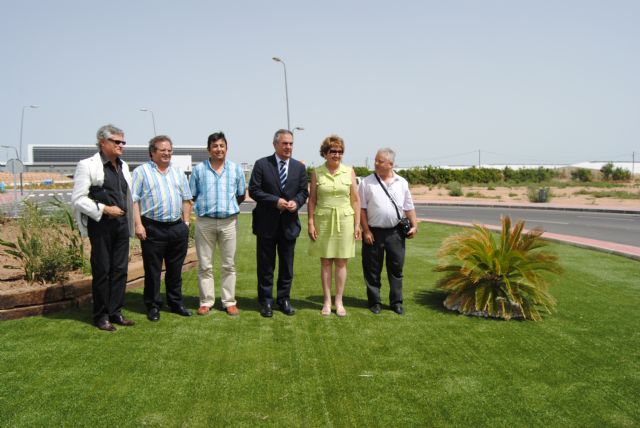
(498, 278)
(46, 250)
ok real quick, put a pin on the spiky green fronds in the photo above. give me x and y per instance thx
(502, 277)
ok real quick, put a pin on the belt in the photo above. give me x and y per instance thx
(161, 223)
(382, 228)
(220, 218)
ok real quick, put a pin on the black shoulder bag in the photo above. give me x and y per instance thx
(404, 226)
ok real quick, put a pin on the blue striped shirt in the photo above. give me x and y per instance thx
(160, 195)
(215, 194)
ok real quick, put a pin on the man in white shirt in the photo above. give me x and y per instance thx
(380, 216)
(102, 205)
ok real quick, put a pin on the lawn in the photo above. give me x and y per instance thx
(578, 367)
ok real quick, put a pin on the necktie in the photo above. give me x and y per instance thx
(283, 174)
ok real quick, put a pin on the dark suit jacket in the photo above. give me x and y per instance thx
(264, 188)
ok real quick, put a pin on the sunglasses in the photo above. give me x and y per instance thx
(336, 152)
(118, 142)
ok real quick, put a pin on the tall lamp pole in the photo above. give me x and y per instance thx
(153, 119)
(286, 88)
(22, 126)
(297, 128)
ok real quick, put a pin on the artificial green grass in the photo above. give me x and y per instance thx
(578, 367)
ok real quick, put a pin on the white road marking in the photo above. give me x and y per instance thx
(543, 221)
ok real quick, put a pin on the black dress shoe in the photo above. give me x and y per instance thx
(105, 325)
(120, 320)
(398, 309)
(182, 311)
(266, 311)
(286, 308)
(376, 308)
(153, 314)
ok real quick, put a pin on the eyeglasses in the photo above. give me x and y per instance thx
(118, 142)
(336, 152)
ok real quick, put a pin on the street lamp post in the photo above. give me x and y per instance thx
(286, 88)
(297, 128)
(153, 119)
(22, 126)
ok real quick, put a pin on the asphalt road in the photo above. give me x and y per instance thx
(605, 226)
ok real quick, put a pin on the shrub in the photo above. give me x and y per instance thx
(362, 171)
(607, 171)
(45, 250)
(539, 194)
(454, 188)
(620, 174)
(500, 279)
(71, 234)
(581, 174)
(474, 195)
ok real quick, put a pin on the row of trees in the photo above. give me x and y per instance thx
(433, 175)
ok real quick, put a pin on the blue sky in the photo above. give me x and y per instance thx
(521, 81)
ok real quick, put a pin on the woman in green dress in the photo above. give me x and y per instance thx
(334, 220)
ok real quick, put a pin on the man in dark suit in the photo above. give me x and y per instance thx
(278, 184)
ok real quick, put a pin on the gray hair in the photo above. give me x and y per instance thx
(388, 153)
(107, 131)
(280, 132)
(158, 139)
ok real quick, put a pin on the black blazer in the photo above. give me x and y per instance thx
(264, 188)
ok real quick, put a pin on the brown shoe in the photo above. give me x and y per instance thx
(105, 325)
(232, 310)
(120, 320)
(203, 310)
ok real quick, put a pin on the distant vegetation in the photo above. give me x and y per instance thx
(582, 174)
(492, 177)
(615, 174)
(435, 175)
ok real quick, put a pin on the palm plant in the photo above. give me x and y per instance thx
(502, 278)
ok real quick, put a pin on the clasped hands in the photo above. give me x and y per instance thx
(290, 206)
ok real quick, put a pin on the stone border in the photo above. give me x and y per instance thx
(21, 303)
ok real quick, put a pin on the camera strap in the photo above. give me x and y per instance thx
(390, 198)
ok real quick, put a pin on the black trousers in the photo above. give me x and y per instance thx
(166, 242)
(266, 260)
(391, 243)
(109, 260)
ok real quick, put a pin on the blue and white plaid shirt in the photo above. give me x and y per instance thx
(160, 195)
(215, 194)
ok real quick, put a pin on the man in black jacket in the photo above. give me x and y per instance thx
(278, 185)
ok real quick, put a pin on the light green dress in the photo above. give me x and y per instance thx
(333, 216)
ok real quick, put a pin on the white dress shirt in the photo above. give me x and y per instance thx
(380, 210)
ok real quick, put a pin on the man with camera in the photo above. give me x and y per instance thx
(384, 195)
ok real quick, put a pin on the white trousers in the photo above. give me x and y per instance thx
(209, 232)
